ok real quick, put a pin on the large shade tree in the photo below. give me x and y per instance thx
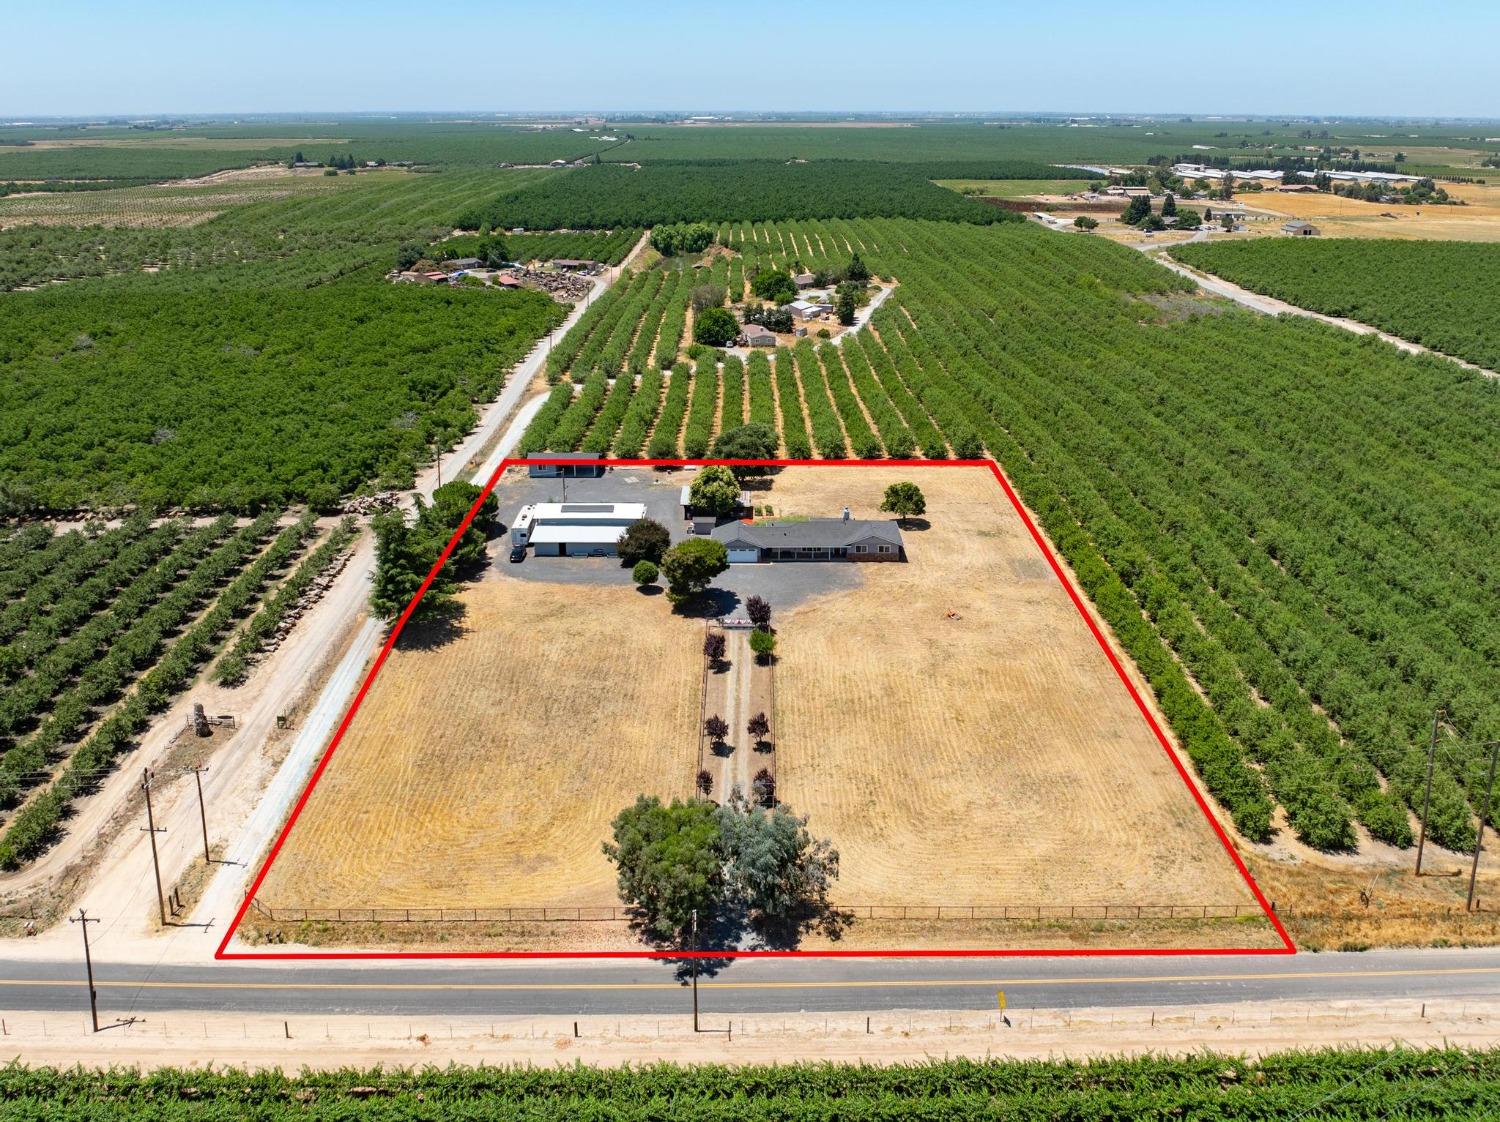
(715, 490)
(689, 567)
(670, 862)
(405, 552)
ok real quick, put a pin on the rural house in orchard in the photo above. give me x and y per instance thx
(754, 335)
(817, 539)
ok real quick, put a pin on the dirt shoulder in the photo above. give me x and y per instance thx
(192, 1040)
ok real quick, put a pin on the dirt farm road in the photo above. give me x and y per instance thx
(737, 691)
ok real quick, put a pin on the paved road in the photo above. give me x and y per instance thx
(753, 986)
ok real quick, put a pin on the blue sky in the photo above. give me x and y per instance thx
(132, 57)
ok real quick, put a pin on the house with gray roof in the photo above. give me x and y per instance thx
(815, 539)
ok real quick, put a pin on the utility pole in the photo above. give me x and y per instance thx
(1484, 812)
(1427, 797)
(202, 813)
(695, 970)
(83, 920)
(161, 901)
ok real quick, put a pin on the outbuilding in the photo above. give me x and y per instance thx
(541, 465)
(809, 309)
(1299, 228)
(574, 529)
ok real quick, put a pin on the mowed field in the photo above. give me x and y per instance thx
(993, 759)
(485, 770)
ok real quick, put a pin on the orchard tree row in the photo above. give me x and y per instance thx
(1444, 295)
(1292, 546)
(241, 400)
(153, 655)
(1274, 517)
(713, 191)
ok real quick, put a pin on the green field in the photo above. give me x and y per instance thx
(1015, 188)
(1444, 295)
(123, 152)
(755, 190)
(239, 399)
(1455, 1085)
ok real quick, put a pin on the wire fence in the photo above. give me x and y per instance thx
(607, 914)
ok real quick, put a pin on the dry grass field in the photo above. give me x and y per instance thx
(485, 770)
(994, 759)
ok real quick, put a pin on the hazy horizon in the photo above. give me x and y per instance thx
(1378, 60)
(730, 116)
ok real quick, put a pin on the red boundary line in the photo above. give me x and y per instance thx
(1287, 947)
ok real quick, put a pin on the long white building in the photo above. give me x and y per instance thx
(1391, 177)
(574, 529)
(1202, 171)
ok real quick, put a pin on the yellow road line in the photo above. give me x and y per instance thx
(895, 983)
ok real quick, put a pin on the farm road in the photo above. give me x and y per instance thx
(737, 690)
(752, 985)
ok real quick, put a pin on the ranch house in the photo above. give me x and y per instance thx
(817, 539)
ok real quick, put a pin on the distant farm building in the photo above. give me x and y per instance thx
(803, 280)
(574, 529)
(817, 539)
(572, 264)
(1264, 176)
(459, 263)
(1298, 228)
(542, 465)
(1387, 178)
